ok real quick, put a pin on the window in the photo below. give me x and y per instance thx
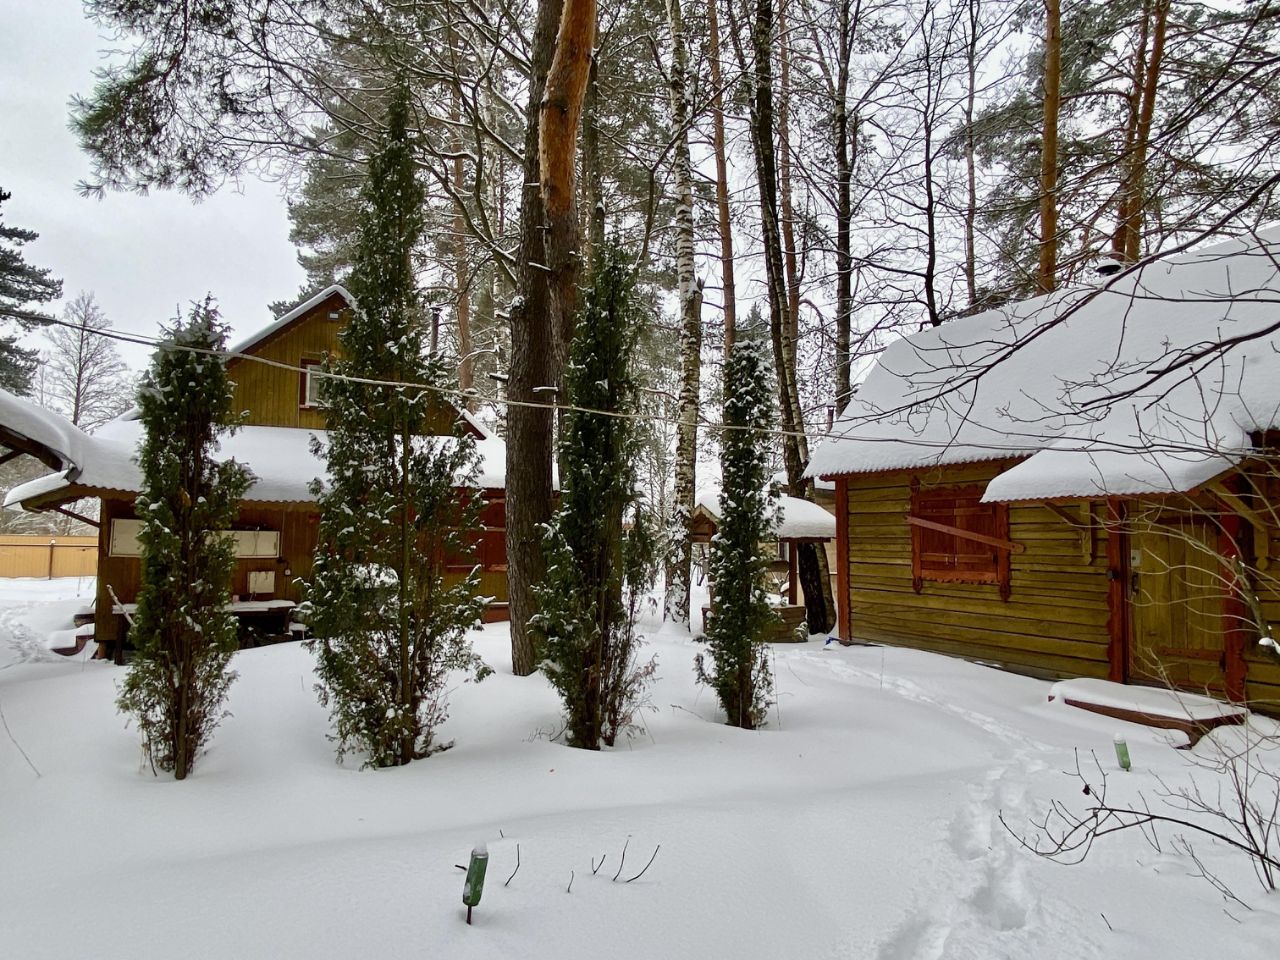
(486, 546)
(957, 538)
(309, 390)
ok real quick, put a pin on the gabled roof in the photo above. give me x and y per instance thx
(292, 316)
(1151, 382)
(297, 313)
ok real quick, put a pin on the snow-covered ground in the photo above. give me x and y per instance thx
(863, 823)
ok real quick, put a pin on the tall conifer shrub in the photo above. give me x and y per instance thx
(182, 633)
(738, 670)
(599, 547)
(390, 624)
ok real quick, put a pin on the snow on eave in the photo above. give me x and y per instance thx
(287, 318)
(51, 433)
(888, 465)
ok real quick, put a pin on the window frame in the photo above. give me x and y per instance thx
(307, 377)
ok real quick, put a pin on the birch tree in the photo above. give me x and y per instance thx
(83, 377)
(679, 557)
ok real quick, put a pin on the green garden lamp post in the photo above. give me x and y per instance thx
(474, 884)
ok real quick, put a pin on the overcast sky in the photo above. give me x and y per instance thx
(144, 257)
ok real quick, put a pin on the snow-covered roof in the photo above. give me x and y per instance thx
(1150, 382)
(280, 458)
(797, 519)
(780, 478)
(38, 427)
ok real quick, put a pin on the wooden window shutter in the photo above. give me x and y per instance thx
(940, 552)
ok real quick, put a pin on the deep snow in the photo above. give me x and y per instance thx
(861, 824)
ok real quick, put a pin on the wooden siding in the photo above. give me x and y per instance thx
(1057, 618)
(271, 395)
(297, 541)
(274, 396)
(1054, 622)
(297, 545)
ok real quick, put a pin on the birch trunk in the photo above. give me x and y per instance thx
(974, 11)
(461, 264)
(844, 216)
(784, 174)
(680, 556)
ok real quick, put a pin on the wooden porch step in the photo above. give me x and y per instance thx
(1158, 707)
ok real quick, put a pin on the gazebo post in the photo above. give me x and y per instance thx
(793, 574)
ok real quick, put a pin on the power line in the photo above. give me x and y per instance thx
(1012, 449)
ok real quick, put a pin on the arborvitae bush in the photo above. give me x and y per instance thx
(390, 624)
(741, 614)
(600, 547)
(182, 634)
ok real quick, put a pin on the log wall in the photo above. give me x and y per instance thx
(1055, 622)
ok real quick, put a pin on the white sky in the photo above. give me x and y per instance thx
(144, 257)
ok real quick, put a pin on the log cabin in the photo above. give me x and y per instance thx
(1080, 485)
(275, 530)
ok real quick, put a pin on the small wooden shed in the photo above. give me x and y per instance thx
(799, 521)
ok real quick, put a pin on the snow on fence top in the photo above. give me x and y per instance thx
(799, 519)
(279, 457)
(1150, 382)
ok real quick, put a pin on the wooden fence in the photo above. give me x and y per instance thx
(45, 556)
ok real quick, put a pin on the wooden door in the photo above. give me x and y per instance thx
(1177, 595)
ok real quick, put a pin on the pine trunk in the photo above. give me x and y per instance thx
(1128, 237)
(533, 365)
(1046, 277)
(680, 556)
(729, 291)
(817, 588)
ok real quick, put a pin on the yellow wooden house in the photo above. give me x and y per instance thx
(275, 531)
(1080, 485)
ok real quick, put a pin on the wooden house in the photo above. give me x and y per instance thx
(1080, 485)
(795, 522)
(275, 531)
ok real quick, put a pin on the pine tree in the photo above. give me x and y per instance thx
(741, 614)
(20, 284)
(598, 570)
(390, 625)
(182, 632)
